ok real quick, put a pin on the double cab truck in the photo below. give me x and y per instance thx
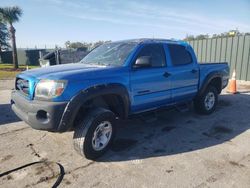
(113, 82)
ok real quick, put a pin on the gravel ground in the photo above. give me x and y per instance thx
(7, 84)
(171, 149)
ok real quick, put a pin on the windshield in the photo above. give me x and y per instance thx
(110, 54)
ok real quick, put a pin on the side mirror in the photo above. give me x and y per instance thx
(142, 62)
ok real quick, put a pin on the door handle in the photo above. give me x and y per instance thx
(194, 71)
(166, 74)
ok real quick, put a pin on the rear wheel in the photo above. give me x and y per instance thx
(206, 102)
(94, 135)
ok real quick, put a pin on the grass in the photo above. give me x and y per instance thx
(7, 71)
(8, 74)
(10, 66)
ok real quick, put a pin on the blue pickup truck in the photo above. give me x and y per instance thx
(114, 81)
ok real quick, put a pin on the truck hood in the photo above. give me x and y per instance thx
(66, 71)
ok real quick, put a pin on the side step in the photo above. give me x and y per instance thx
(149, 117)
(152, 115)
(183, 107)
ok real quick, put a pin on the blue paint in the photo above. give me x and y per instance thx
(147, 88)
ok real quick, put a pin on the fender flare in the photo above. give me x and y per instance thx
(208, 79)
(73, 106)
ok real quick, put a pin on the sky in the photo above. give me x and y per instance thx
(46, 23)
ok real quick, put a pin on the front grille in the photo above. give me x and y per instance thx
(22, 86)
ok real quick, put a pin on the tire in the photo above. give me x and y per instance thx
(89, 136)
(207, 101)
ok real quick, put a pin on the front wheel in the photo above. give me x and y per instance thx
(206, 102)
(94, 135)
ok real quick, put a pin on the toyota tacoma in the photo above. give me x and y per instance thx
(114, 81)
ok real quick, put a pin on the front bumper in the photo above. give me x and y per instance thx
(42, 115)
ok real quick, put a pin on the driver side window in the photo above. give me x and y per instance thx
(156, 54)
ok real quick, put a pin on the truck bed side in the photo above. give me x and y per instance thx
(206, 69)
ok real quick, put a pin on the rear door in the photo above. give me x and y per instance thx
(184, 73)
(150, 87)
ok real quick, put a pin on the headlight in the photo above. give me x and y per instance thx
(48, 89)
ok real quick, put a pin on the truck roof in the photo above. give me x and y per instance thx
(155, 40)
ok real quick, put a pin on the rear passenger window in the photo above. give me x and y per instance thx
(156, 52)
(179, 55)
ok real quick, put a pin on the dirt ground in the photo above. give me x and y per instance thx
(170, 149)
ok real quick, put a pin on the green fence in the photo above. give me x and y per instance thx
(234, 50)
(25, 57)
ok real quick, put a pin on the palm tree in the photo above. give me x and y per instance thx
(12, 15)
(4, 36)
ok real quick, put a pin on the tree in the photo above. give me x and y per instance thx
(77, 45)
(200, 37)
(189, 37)
(84, 46)
(4, 36)
(67, 44)
(100, 42)
(11, 15)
